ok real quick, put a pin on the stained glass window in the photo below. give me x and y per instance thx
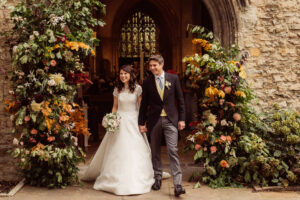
(138, 34)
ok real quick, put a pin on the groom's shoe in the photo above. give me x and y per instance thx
(156, 185)
(178, 190)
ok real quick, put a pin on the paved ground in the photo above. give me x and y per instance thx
(203, 193)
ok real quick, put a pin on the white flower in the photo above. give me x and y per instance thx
(36, 33)
(210, 129)
(27, 84)
(21, 73)
(12, 117)
(20, 86)
(168, 84)
(15, 141)
(224, 122)
(15, 49)
(58, 78)
(11, 92)
(31, 37)
(51, 82)
(63, 98)
(212, 119)
(205, 57)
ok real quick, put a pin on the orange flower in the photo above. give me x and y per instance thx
(237, 117)
(51, 139)
(197, 147)
(38, 147)
(27, 118)
(63, 117)
(227, 90)
(240, 93)
(213, 149)
(228, 138)
(53, 63)
(33, 131)
(224, 164)
(223, 138)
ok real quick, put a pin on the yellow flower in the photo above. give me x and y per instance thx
(46, 110)
(93, 52)
(240, 93)
(242, 73)
(36, 107)
(58, 78)
(38, 147)
(211, 92)
(63, 117)
(49, 122)
(221, 94)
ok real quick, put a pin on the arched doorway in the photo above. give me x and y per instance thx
(170, 19)
(138, 41)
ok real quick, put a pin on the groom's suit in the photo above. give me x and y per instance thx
(162, 120)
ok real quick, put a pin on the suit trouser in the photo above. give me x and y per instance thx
(164, 125)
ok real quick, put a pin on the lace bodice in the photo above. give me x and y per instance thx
(127, 101)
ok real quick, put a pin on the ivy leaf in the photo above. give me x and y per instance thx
(277, 153)
(197, 185)
(58, 55)
(247, 177)
(24, 59)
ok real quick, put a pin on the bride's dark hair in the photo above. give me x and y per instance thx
(132, 81)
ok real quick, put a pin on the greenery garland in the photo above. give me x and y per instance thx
(49, 41)
(236, 145)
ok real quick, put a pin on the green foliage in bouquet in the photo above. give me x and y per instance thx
(230, 138)
(49, 41)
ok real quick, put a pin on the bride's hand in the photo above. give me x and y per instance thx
(143, 129)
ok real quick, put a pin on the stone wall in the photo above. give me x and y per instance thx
(270, 31)
(7, 167)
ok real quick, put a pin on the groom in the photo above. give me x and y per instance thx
(160, 93)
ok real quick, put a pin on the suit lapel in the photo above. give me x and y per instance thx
(167, 79)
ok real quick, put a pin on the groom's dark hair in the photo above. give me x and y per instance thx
(158, 58)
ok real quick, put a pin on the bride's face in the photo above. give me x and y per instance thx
(124, 77)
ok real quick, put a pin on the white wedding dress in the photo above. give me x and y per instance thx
(122, 164)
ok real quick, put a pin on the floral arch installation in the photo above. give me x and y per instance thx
(138, 34)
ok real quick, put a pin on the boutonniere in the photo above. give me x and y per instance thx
(168, 84)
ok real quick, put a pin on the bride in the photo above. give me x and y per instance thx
(122, 164)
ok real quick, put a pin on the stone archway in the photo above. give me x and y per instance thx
(166, 19)
(225, 25)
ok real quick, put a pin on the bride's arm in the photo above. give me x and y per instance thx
(115, 106)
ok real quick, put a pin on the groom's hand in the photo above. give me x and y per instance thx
(143, 129)
(181, 125)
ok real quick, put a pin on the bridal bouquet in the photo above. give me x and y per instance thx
(111, 122)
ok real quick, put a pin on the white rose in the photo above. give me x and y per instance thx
(224, 122)
(15, 141)
(210, 129)
(36, 33)
(51, 82)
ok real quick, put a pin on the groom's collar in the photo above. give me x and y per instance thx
(162, 75)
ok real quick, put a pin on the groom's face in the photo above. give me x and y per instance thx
(155, 67)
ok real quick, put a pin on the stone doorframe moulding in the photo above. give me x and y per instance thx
(224, 18)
